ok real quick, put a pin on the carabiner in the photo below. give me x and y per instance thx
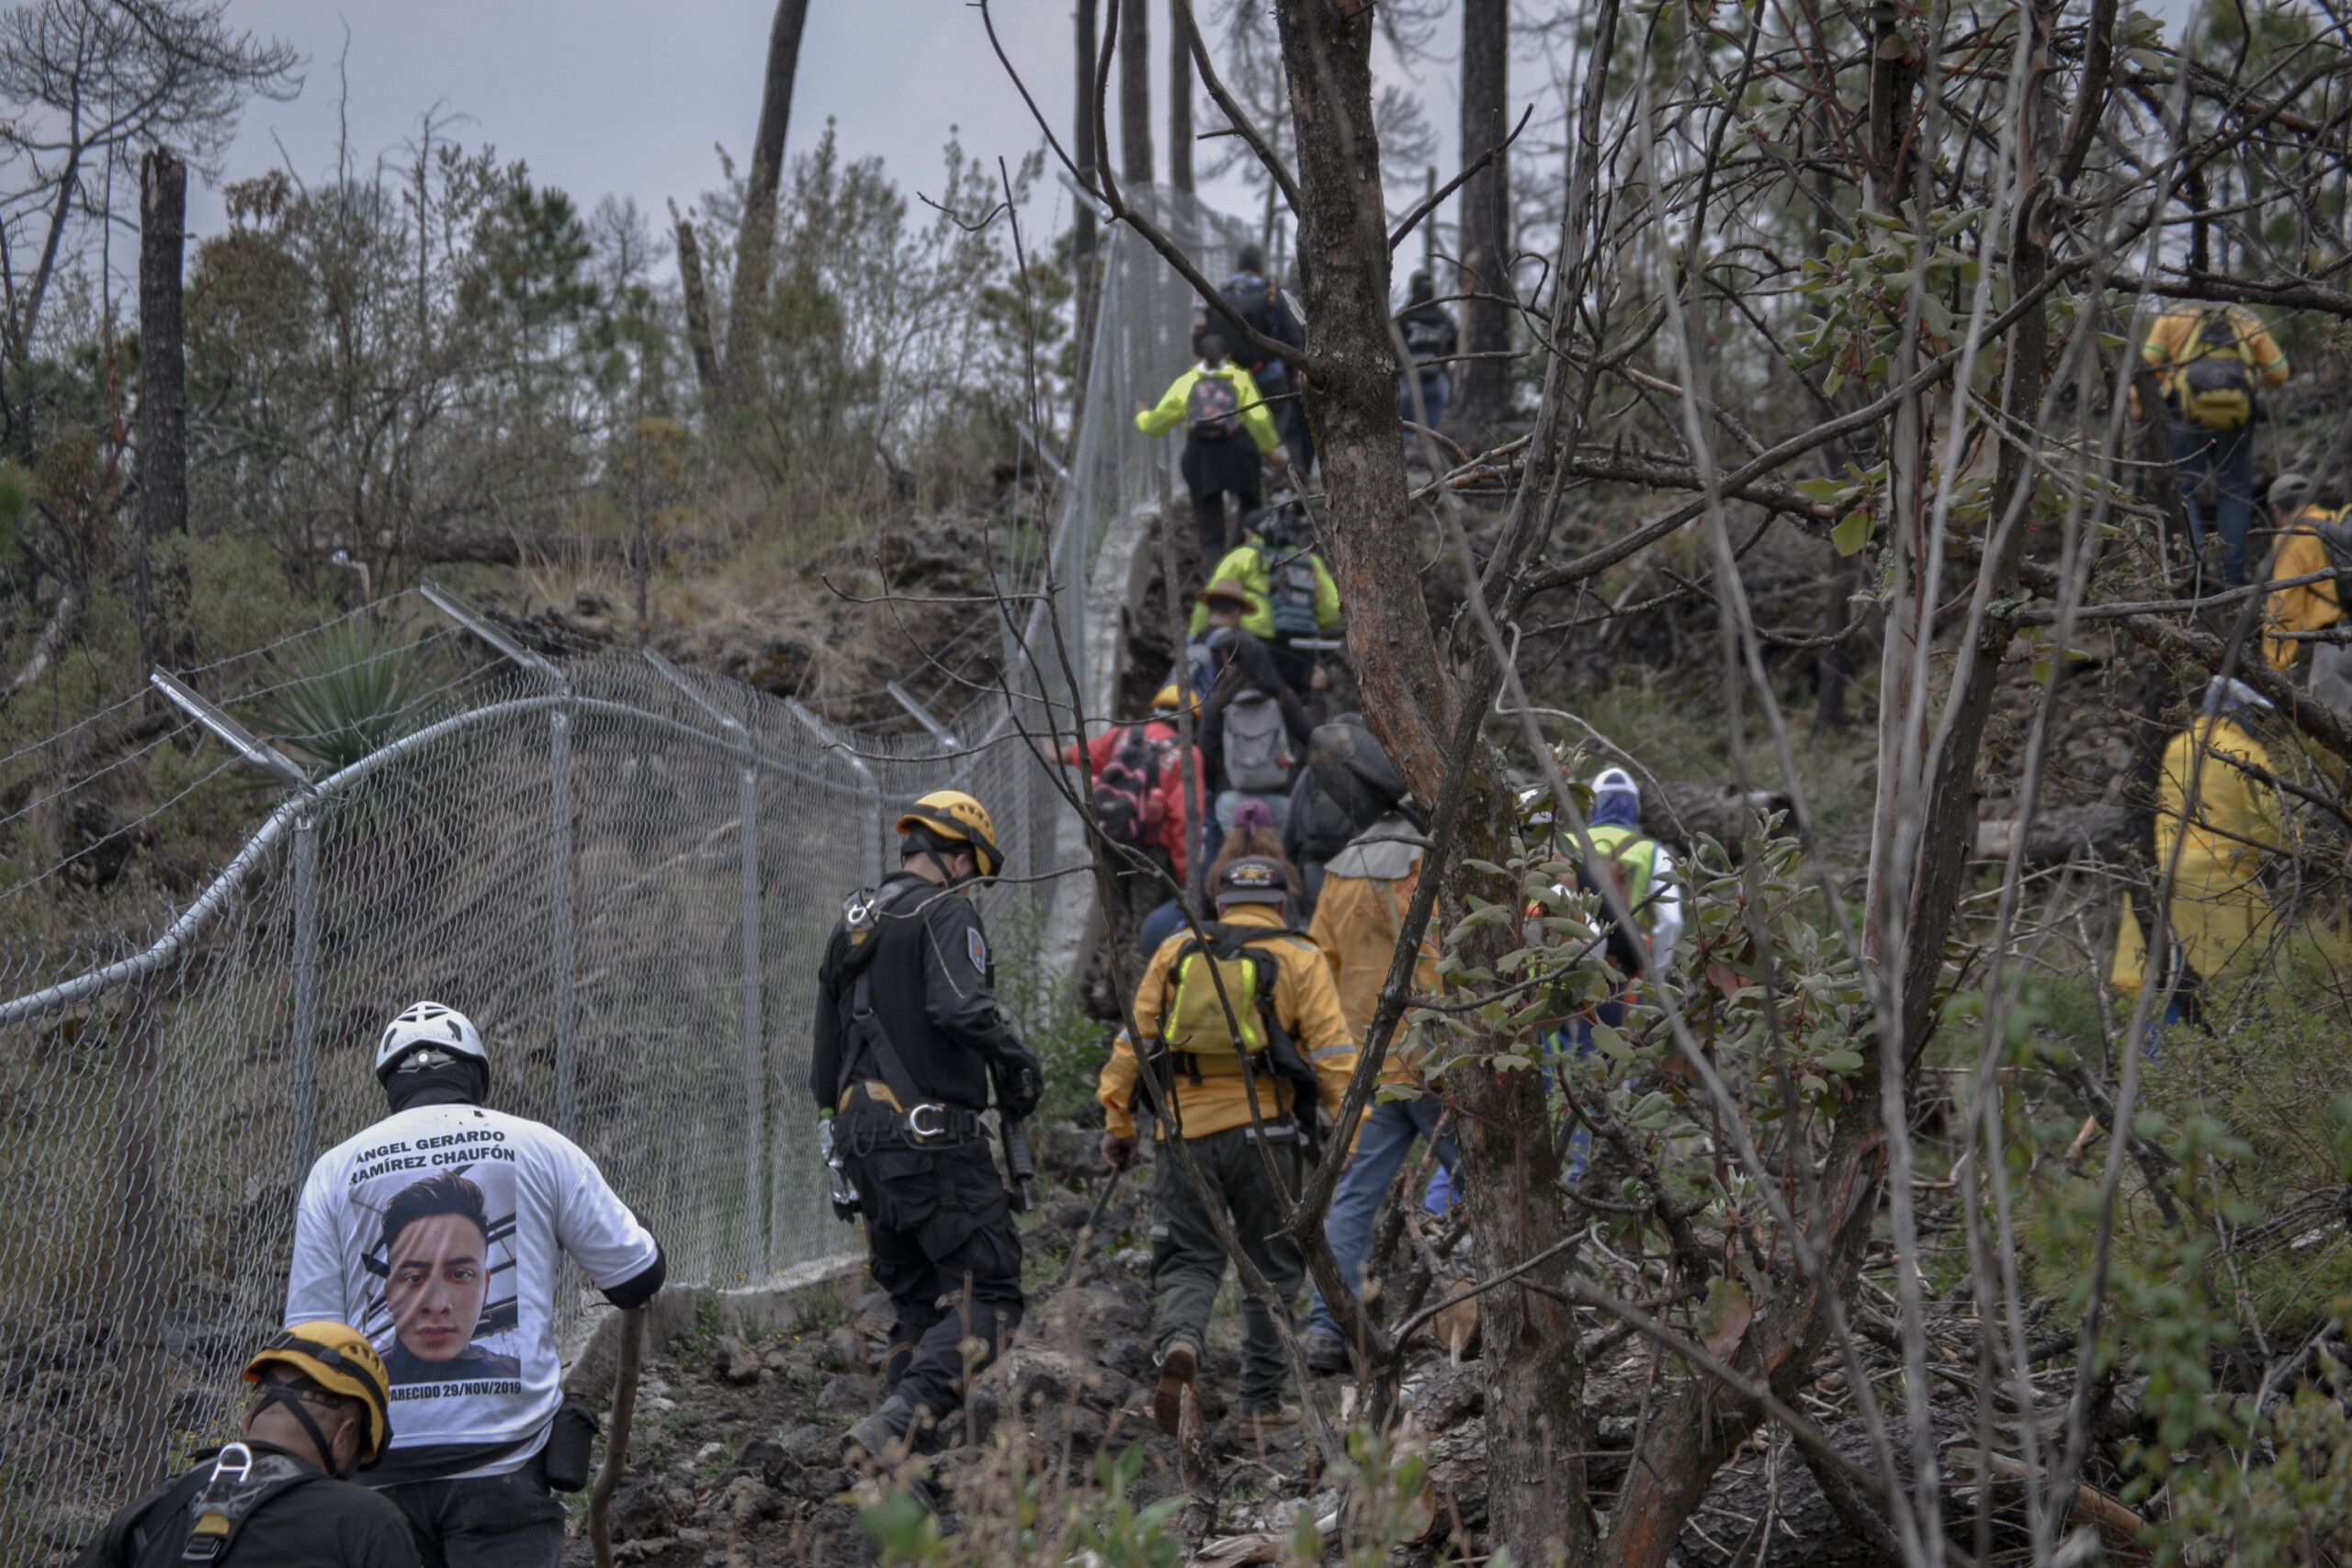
(916, 1130)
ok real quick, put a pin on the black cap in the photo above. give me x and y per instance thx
(1252, 879)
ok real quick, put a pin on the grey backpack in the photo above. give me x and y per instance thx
(1257, 745)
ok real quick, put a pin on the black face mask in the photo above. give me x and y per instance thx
(460, 1080)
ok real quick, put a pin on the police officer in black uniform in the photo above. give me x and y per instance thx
(908, 1039)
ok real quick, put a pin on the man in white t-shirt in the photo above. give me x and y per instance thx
(439, 1232)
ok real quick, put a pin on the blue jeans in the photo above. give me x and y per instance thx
(1576, 1038)
(1389, 1130)
(1437, 391)
(2228, 456)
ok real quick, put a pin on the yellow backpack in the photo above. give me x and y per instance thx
(2212, 387)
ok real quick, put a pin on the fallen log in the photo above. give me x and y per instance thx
(2058, 834)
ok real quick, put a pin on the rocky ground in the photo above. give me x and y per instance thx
(737, 1458)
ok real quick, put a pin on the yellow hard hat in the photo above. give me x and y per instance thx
(952, 814)
(1165, 700)
(339, 1358)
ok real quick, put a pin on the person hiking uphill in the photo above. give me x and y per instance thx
(908, 1037)
(2221, 920)
(1296, 598)
(1366, 890)
(1253, 729)
(1228, 433)
(439, 1232)
(1138, 793)
(281, 1496)
(1250, 296)
(1641, 873)
(1295, 1041)
(2211, 360)
(1430, 337)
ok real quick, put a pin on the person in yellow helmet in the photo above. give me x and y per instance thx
(1296, 1038)
(2221, 915)
(909, 1041)
(280, 1497)
(1228, 434)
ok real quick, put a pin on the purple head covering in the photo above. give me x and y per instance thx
(1252, 815)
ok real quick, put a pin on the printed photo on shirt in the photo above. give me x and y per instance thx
(442, 1259)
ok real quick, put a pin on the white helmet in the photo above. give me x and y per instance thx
(429, 1023)
(1615, 781)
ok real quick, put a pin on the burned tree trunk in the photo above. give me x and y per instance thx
(1081, 230)
(1485, 213)
(755, 240)
(699, 339)
(1179, 108)
(1134, 91)
(163, 372)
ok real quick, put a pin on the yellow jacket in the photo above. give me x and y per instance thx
(2305, 609)
(1305, 1003)
(1251, 403)
(1366, 888)
(1246, 564)
(2218, 904)
(2177, 329)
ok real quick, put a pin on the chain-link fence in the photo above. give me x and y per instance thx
(623, 871)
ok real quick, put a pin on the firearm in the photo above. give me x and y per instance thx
(1017, 1162)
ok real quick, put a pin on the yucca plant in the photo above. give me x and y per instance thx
(346, 692)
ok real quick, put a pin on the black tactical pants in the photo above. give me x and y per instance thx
(944, 1246)
(973, 1292)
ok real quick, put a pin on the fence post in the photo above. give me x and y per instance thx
(306, 992)
(567, 1060)
(1014, 681)
(140, 1283)
(755, 1066)
(869, 785)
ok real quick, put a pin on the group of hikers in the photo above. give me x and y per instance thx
(411, 1410)
(2221, 823)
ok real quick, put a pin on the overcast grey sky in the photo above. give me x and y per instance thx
(626, 98)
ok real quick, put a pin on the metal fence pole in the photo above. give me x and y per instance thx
(1014, 679)
(306, 992)
(142, 1277)
(755, 1065)
(567, 1060)
(871, 786)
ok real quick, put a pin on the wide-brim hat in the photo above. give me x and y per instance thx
(1232, 590)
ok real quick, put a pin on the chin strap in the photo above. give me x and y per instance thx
(286, 1394)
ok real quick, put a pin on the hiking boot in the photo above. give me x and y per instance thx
(1327, 1353)
(872, 1439)
(1179, 1364)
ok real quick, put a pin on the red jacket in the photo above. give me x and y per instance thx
(1165, 810)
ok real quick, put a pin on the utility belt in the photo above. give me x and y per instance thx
(1166, 1064)
(869, 1123)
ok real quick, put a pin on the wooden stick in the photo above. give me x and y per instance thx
(600, 1501)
